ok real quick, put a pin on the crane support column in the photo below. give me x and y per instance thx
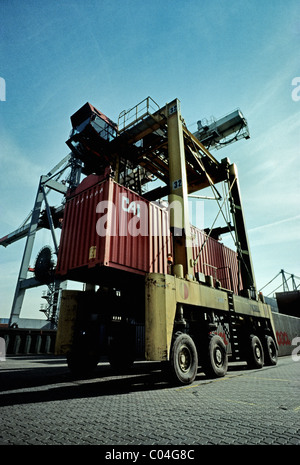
(20, 289)
(178, 193)
(242, 242)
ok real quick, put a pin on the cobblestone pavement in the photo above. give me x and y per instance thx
(42, 404)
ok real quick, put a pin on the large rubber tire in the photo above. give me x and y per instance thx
(271, 351)
(255, 354)
(183, 359)
(215, 364)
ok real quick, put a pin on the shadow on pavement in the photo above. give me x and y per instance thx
(53, 383)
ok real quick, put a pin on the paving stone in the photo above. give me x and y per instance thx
(40, 404)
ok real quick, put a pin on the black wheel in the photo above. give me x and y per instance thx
(216, 362)
(271, 351)
(183, 359)
(255, 356)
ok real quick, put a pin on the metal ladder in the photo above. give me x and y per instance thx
(235, 347)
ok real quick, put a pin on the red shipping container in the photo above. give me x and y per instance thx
(108, 225)
(215, 260)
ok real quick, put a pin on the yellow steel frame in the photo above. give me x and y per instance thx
(68, 315)
(165, 292)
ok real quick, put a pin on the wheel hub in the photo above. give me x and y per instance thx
(218, 357)
(257, 352)
(184, 357)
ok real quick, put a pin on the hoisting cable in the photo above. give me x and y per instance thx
(214, 189)
(227, 212)
(232, 139)
(277, 287)
(281, 285)
(209, 233)
(270, 282)
(228, 224)
(220, 211)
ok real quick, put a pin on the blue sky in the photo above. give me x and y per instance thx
(213, 56)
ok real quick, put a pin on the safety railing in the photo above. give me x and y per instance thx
(222, 274)
(128, 118)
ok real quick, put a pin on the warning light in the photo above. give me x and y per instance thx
(170, 259)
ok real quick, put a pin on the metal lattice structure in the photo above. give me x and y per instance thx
(42, 216)
(135, 151)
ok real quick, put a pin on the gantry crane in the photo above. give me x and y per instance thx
(132, 171)
(42, 216)
(180, 310)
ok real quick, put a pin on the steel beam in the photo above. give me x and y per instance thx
(242, 241)
(29, 230)
(178, 196)
(20, 290)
